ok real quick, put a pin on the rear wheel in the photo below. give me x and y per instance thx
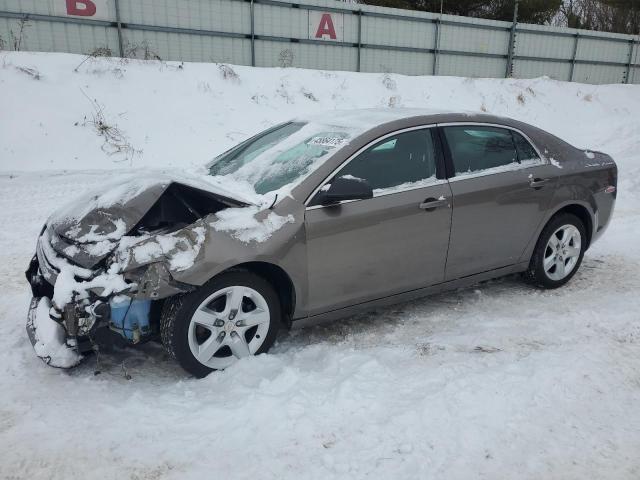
(232, 316)
(558, 253)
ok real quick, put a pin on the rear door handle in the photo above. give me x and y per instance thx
(430, 204)
(538, 182)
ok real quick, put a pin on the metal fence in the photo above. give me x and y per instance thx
(319, 34)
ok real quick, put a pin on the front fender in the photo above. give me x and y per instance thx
(224, 248)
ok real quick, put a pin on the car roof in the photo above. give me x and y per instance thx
(369, 118)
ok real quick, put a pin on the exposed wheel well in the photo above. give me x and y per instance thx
(280, 281)
(583, 214)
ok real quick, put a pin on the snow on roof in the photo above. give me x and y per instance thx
(367, 118)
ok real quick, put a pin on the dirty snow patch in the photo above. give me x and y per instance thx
(244, 225)
(351, 177)
(554, 162)
(67, 287)
(94, 236)
(589, 155)
(180, 249)
(184, 259)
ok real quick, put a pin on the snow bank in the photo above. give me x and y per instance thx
(496, 381)
(183, 117)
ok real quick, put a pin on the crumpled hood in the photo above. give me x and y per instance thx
(86, 230)
(106, 214)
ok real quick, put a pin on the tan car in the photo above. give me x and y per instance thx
(311, 220)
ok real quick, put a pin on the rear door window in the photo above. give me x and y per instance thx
(476, 149)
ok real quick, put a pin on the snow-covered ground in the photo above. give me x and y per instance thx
(496, 381)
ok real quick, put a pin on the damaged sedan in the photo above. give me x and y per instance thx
(314, 219)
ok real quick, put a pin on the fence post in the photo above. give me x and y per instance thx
(512, 40)
(436, 49)
(253, 35)
(119, 23)
(359, 65)
(627, 72)
(635, 61)
(573, 56)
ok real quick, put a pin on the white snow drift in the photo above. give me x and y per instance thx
(497, 381)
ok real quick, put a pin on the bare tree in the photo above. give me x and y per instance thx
(621, 16)
(18, 36)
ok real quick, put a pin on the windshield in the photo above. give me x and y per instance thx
(281, 156)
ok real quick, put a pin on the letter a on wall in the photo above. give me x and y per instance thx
(326, 26)
(93, 9)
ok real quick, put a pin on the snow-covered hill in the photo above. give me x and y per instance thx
(172, 114)
(497, 381)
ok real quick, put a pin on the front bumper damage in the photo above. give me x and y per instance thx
(61, 337)
(105, 262)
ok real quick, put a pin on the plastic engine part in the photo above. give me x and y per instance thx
(130, 318)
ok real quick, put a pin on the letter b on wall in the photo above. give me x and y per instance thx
(91, 9)
(326, 26)
(81, 8)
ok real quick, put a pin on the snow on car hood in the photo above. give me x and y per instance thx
(89, 228)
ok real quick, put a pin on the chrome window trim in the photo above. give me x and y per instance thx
(437, 181)
(487, 172)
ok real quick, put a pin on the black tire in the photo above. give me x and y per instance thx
(178, 311)
(536, 273)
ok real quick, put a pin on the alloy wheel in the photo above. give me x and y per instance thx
(562, 252)
(230, 324)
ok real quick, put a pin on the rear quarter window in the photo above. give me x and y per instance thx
(479, 148)
(525, 150)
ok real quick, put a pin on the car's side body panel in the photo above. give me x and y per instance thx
(508, 200)
(285, 249)
(494, 217)
(495, 211)
(408, 295)
(386, 245)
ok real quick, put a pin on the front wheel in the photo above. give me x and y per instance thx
(558, 253)
(234, 315)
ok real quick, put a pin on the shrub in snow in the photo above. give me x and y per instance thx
(282, 92)
(394, 101)
(309, 95)
(228, 73)
(142, 51)
(388, 82)
(285, 59)
(19, 34)
(32, 72)
(95, 53)
(116, 142)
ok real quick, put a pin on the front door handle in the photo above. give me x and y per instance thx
(537, 182)
(430, 204)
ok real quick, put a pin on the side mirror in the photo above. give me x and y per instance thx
(344, 188)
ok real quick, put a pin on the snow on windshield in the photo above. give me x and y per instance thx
(282, 157)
